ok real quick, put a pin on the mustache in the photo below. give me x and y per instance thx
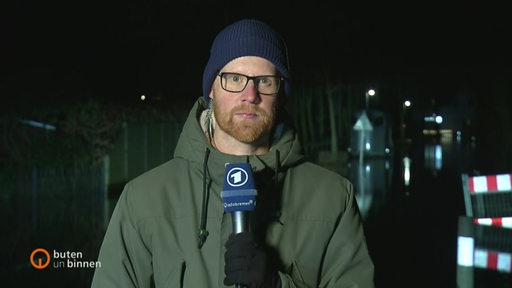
(247, 109)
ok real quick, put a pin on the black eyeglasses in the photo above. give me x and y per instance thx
(235, 82)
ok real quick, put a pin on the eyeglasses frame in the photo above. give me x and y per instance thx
(254, 78)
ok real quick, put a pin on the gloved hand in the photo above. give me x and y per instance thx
(246, 263)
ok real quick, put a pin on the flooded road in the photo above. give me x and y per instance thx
(410, 203)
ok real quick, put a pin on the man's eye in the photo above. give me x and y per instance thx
(264, 81)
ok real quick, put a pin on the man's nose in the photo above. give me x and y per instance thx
(250, 93)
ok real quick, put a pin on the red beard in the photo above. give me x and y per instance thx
(245, 130)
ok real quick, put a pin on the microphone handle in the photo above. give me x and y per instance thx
(240, 221)
(240, 224)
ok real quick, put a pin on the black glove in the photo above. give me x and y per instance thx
(247, 263)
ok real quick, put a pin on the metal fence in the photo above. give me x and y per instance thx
(67, 209)
(54, 209)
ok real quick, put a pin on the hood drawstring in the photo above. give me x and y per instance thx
(276, 183)
(278, 168)
(203, 233)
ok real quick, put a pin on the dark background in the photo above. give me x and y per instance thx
(120, 49)
(60, 54)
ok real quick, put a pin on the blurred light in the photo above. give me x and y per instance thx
(38, 124)
(407, 103)
(371, 92)
(439, 157)
(407, 170)
(142, 97)
(433, 155)
(434, 118)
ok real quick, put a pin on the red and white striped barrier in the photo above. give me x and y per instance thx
(493, 260)
(490, 183)
(469, 256)
(505, 222)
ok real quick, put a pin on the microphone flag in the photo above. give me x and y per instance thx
(238, 192)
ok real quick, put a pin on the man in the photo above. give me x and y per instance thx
(306, 228)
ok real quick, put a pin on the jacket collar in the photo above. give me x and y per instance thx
(193, 143)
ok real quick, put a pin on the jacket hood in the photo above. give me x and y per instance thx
(285, 152)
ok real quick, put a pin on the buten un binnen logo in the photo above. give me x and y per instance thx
(237, 177)
(40, 259)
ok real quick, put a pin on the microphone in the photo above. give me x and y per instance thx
(239, 196)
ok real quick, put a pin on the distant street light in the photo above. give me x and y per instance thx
(406, 104)
(368, 94)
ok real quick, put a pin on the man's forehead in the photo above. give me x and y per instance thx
(254, 64)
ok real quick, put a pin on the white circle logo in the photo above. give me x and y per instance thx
(237, 177)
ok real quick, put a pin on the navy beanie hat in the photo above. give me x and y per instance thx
(247, 37)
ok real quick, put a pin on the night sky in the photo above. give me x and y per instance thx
(56, 50)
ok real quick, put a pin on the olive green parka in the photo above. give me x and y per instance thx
(306, 214)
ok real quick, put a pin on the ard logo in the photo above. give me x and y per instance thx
(237, 177)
